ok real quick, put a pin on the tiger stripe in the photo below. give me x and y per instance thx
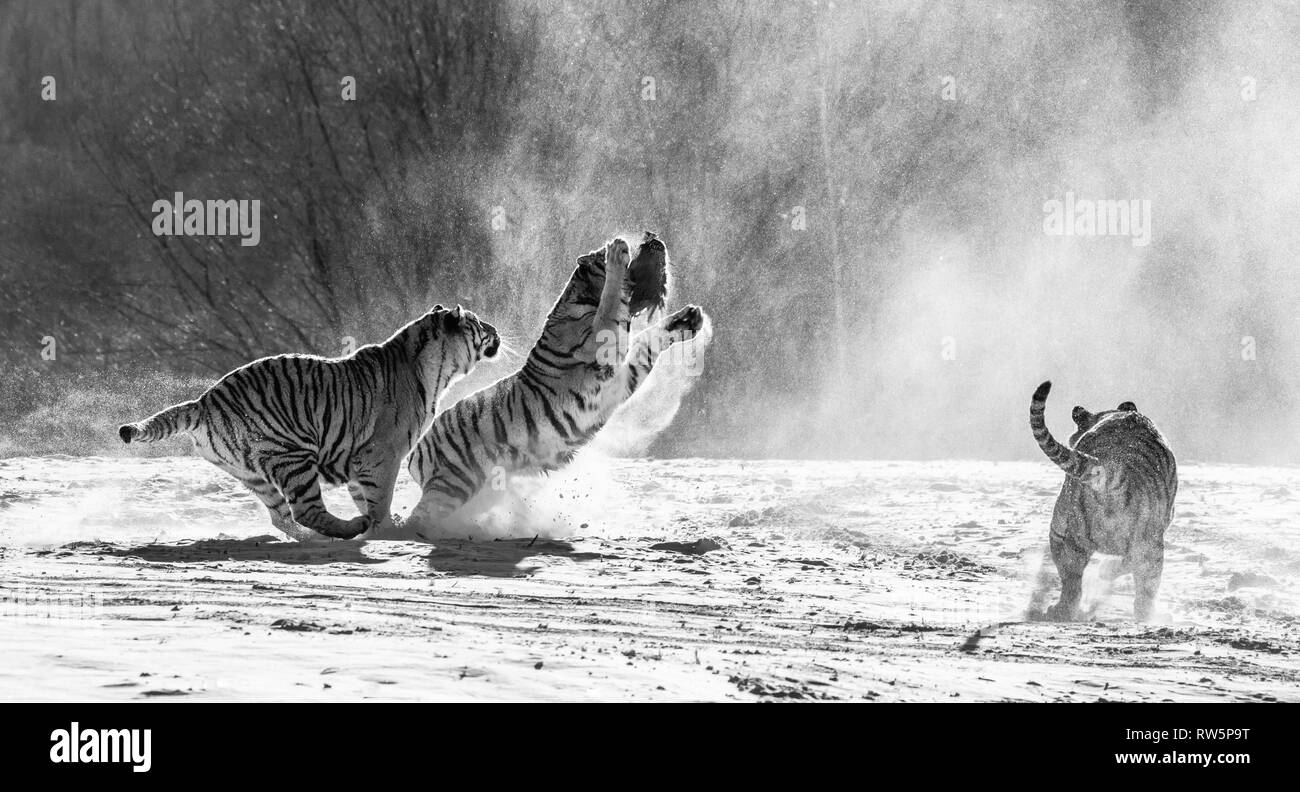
(537, 419)
(282, 424)
(1117, 499)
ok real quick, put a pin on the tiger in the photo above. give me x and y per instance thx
(1117, 499)
(579, 372)
(282, 424)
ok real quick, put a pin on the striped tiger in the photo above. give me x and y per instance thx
(578, 373)
(1117, 499)
(281, 424)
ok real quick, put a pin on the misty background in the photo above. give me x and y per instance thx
(853, 191)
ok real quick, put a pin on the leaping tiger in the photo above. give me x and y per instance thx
(281, 424)
(576, 376)
(1117, 499)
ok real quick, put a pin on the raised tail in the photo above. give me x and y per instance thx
(183, 417)
(1074, 463)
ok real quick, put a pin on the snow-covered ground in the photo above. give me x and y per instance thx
(158, 578)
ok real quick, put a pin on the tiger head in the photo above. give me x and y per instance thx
(456, 340)
(648, 274)
(647, 284)
(1100, 435)
(1087, 421)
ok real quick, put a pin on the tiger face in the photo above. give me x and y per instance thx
(465, 339)
(587, 282)
(648, 273)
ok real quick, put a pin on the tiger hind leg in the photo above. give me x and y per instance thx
(296, 477)
(276, 506)
(1148, 564)
(440, 501)
(1070, 561)
(258, 484)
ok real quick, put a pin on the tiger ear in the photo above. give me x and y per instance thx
(1128, 407)
(436, 308)
(452, 320)
(1080, 415)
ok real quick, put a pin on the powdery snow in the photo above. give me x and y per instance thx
(157, 579)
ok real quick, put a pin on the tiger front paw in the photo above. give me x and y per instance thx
(684, 323)
(617, 256)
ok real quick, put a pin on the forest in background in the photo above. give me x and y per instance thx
(854, 191)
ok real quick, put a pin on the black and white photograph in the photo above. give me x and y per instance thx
(617, 351)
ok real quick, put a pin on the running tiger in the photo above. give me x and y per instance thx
(576, 376)
(1117, 499)
(282, 423)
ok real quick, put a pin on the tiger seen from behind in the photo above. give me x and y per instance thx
(1117, 499)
